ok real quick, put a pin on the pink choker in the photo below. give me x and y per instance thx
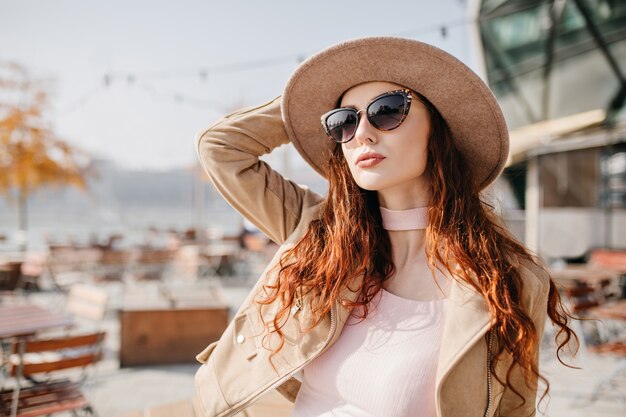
(410, 219)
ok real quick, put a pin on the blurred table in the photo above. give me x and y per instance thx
(18, 322)
(170, 326)
(592, 275)
(219, 258)
(586, 286)
(614, 310)
(28, 319)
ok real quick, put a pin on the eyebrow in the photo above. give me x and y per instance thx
(351, 106)
(347, 106)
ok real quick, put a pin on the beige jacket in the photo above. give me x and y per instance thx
(236, 372)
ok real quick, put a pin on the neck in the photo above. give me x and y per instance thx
(407, 247)
(407, 194)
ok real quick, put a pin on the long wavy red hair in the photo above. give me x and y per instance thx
(348, 239)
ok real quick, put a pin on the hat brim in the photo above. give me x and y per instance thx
(461, 97)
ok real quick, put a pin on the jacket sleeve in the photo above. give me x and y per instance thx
(229, 152)
(509, 400)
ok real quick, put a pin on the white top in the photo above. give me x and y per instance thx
(384, 365)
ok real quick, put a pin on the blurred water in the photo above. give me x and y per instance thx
(134, 223)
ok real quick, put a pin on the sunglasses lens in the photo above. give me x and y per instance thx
(386, 112)
(342, 124)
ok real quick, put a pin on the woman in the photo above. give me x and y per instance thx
(399, 293)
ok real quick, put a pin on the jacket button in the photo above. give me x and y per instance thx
(240, 338)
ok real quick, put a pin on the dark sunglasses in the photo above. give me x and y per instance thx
(385, 112)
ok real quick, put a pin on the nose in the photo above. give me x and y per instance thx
(365, 132)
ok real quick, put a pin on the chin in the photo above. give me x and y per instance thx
(386, 181)
(371, 185)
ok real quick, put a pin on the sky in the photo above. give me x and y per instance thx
(173, 67)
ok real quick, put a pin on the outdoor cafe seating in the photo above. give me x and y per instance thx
(595, 291)
(68, 265)
(46, 354)
(9, 275)
(30, 359)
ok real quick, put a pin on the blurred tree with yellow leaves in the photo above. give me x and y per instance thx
(32, 156)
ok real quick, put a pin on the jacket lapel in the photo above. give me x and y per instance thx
(466, 321)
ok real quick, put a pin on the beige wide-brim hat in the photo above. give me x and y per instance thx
(461, 97)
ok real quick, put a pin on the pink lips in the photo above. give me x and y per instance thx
(369, 159)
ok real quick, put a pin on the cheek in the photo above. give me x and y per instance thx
(355, 172)
(346, 149)
(347, 155)
(411, 155)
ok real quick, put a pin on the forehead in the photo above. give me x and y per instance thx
(360, 94)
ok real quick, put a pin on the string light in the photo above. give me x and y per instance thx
(203, 74)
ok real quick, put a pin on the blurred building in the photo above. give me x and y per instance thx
(558, 69)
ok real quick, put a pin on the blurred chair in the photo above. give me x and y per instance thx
(112, 265)
(40, 366)
(151, 263)
(582, 296)
(578, 298)
(9, 275)
(31, 271)
(87, 302)
(613, 259)
(68, 265)
(612, 333)
(219, 259)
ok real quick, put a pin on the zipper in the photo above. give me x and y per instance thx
(297, 306)
(489, 374)
(282, 379)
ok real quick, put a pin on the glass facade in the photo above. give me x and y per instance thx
(550, 59)
(570, 179)
(613, 169)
